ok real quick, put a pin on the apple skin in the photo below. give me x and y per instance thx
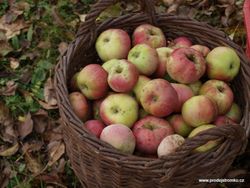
(223, 63)
(144, 58)
(92, 81)
(186, 65)
(223, 120)
(169, 145)
(120, 137)
(179, 125)
(195, 87)
(210, 144)
(159, 98)
(234, 113)
(150, 35)
(199, 110)
(142, 113)
(142, 80)
(149, 132)
(96, 108)
(220, 92)
(113, 44)
(79, 104)
(109, 64)
(123, 76)
(119, 108)
(184, 93)
(73, 83)
(204, 50)
(95, 127)
(180, 42)
(163, 54)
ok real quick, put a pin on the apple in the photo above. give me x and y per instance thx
(223, 63)
(234, 113)
(150, 35)
(179, 125)
(95, 127)
(123, 76)
(142, 80)
(142, 113)
(169, 145)
(109, 64)
(120, 137)
(204, 50)
(96, 108)
(199, 110)
(186, 65)
(180, 42)
(149, 132)
(195, 87)
(163, 54)
(210, 144)
(73, 83)
(144, 58)
(223, 120)
(79, 105)
(220, 92)
(113, 44)
(184, 93)
(119, 108)
(159, 98)
(92, 81)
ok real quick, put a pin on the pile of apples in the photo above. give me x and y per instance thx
(150, 94)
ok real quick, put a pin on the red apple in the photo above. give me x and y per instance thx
(120, 137)
(186, 65)
(220, 92)
(204, 50)
(79, 105)
(92, 81)
(234, 113)
(123, 76)
(113, 44)
(223, 120)
(169, 145)
(184, 93)
(149, 132)
(73, 83)
(150, 35)
(180, 42)
(144, 58)
(199, 110)
(95, 127)
(179, 125)
(159, 98)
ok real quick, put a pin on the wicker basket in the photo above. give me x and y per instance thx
(97, 164)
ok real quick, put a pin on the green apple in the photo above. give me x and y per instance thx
(142, 80)
(195, 87)
(119, 108)
(234, 113)
(223, 63)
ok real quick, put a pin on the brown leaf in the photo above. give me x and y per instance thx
(41, 122)
(6, 173)
(44, 44)
(25, 126)
(32, 146)
(12, 29)
(5, 47)
(8, 151)
(49, 94)
(33, 164)
(56, 149)
(10, 89)
(14, 63)
(8, 134)
(57, 18)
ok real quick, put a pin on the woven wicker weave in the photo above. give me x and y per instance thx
(97, 164)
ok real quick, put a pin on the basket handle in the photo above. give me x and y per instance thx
(147, 6)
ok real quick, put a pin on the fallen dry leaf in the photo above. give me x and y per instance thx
(8, 151)
(10, 88)
(14, 63)
(49, 93)
(13, 28)
(33, 164)
(55, 149)
(56, 17)
(25, 126)
(62, 47)
(32, 146)
(5, 47)
(41, 122)
(6, 173)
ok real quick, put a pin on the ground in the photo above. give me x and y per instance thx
(33, 35)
